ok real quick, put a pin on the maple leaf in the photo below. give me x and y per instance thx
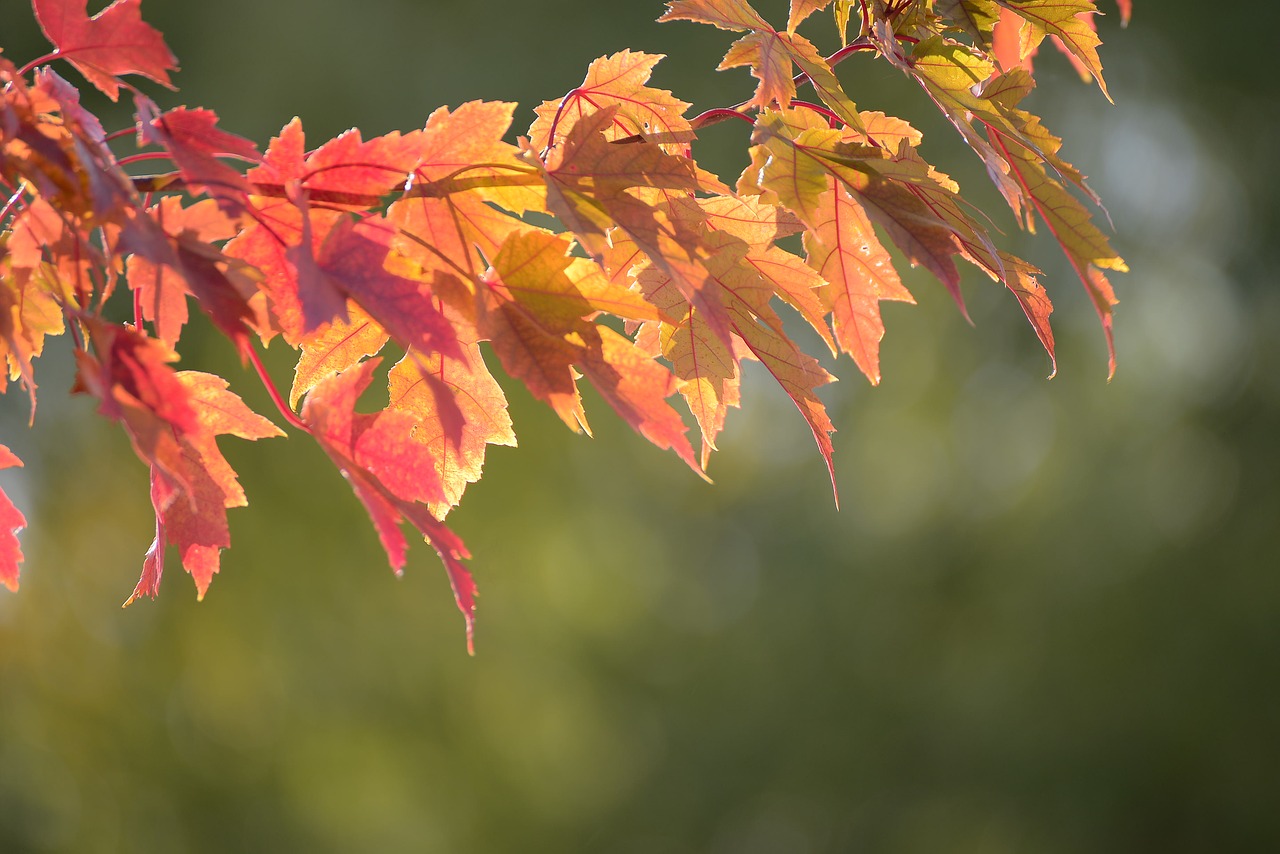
(799, 374)
(336, 347)
(1085, 246)
(130, 377)
(619, 79)
(11, 522)
(801, 9)
(1069, 22)
(31, 305)
(481, 402)
(976, 18)
(113, 42)
(196, 144)
(351, 261)
(757, 225)
(349, 164)
(707, 365)
(536, 320)
(368, 448)
(769, 53)
(191, 267)
(463, 150)
(82, 122)
(844, 249)
(192, 489)
(266, 244)
(798, 171)
(172, 419)
(346, 170)
(449, 236)
(594, 185)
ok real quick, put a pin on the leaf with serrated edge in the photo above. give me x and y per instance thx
(843, 247)
(329, 411)
(620, 79)
(484, 410)
(335, 348)
(1070, 22)
(801, 9)
(113, 42)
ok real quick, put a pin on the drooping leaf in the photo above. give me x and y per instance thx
(843, 248)
(1070, 22)
(163, 289)
(329, 411)
(708, 367)
(540, 330)
(1085, 246)
(705, 367)
(798, 171)
(191, 490)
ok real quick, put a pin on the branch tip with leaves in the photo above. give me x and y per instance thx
(420, 241)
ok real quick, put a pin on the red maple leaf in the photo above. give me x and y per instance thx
(195, 144)
(113, 42)
(369, 450)
(11, 522)
(191, 503)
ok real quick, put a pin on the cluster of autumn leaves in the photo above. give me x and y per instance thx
(661, 281)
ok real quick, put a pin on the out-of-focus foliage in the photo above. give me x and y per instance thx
(1045, 618)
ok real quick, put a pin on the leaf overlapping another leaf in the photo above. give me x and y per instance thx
(646, 275)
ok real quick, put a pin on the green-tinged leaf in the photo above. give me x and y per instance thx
(1068, 20)
(976, 18)
(770, 54)
(1086, 247)
(537, 321)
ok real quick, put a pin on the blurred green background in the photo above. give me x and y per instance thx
(1045, 619)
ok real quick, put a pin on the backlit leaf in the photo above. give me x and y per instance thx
(11, 522)
(113, 42)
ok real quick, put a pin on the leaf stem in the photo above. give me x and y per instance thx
(13, 200)
(39, 60)
(832, 119)
(555, 122)
(144, 155)
(288, 414)
(717, 115)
